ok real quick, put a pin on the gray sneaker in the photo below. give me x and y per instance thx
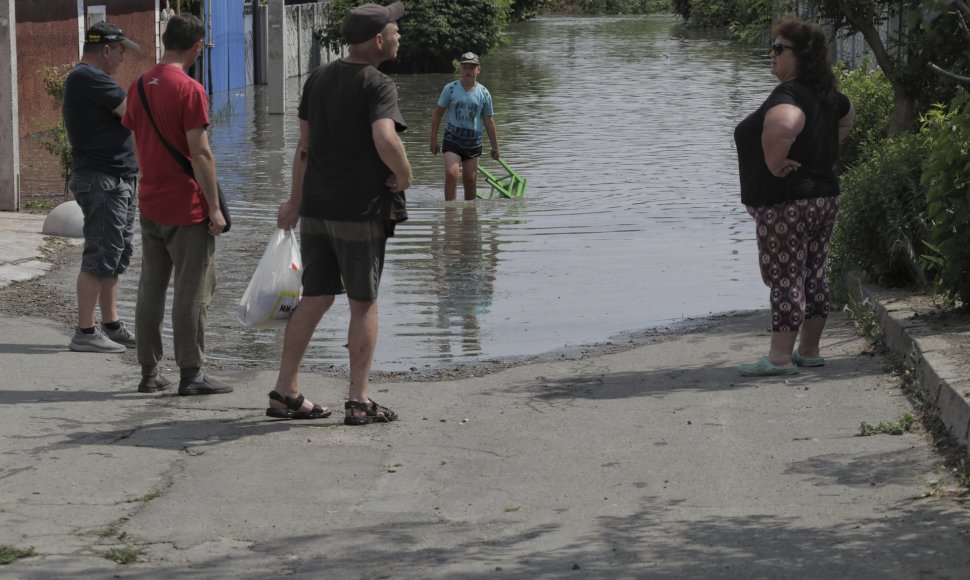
(96, 342)
(121, 336)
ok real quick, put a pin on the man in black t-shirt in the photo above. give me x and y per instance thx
(103, 183)
(349, 175)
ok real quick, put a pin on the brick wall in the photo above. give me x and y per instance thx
(47, 35)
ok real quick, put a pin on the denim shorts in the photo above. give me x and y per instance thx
(449, 146)
(343, 257)
(109, 205)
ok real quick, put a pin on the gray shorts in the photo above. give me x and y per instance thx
(109, 205)
(342, 257)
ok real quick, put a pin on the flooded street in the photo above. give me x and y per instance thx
(631, 220)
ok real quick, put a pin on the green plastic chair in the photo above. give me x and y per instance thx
(511, 185)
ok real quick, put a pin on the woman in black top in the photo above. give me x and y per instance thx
(787, 151)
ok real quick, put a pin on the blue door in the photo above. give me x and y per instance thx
(225, 45)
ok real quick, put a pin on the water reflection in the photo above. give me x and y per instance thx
(460, 273)
(623, 127)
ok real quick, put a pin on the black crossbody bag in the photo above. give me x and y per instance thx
(181, 159)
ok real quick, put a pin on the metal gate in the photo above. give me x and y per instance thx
(225, 50)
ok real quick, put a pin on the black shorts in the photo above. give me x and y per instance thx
(465, 154)
(342, 257)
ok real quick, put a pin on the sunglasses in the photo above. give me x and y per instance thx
(779, 48)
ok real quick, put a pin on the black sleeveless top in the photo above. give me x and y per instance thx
(816, 148)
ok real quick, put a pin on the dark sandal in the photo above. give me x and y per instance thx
(292, 410)
(373, 413)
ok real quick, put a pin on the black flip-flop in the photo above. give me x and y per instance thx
(292, 410)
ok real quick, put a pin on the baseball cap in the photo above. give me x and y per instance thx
(469, 58)
(367, 20)
(105, 33)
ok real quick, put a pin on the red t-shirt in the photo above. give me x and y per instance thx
(166, 194)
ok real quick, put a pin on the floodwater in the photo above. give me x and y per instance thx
(631, 220)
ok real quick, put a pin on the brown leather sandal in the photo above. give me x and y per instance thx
(293, 406)
(373, 413)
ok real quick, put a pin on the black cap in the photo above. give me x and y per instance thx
(366, 21)
(104, 33)
(469, 58)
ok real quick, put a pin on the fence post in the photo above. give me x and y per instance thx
(9, 110)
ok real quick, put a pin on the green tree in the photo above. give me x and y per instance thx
(907, 59)
(526, 9)
(54, 140)
(434, 32)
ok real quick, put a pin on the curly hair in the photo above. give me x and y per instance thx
(812, 53)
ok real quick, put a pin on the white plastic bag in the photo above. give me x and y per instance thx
(274, 290)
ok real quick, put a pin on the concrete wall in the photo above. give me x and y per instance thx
(303, 52)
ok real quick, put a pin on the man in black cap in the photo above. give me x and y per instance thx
(350, 171)
(103, 183)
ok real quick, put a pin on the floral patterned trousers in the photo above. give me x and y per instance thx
(793, 243)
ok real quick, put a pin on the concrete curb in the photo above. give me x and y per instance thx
(946, 389)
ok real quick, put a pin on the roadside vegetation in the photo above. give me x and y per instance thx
(10, 554)
(54, 140)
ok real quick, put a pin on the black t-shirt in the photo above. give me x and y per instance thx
(816, 148)
(345, 176)
(99, 141)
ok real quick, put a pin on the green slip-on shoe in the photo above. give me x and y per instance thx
(807, 361)
(763, 368)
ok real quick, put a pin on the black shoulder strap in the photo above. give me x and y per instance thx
(181, 159)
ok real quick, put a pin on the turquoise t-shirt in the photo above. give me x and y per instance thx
(466, 110)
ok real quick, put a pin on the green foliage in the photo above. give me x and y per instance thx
(604, 7)
(681, 7)
(54, 140)
(10, 554)
(526, 9)
(905, 423)
(752, 22)
(935, 33)
(882, 214)
(123, 555)
(433, 32)
(871, 94)
(749, 21)
(946, 176)
(36, 206)
(865, 318)
(712, 13)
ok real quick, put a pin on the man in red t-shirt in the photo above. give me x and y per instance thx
(180, 214)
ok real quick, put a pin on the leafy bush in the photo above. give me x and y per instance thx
(872, 95)
(712, 13)
(946, 176)
(434, 32)
(526, 9)
(752, 22)
(681, 7)
(881, 226)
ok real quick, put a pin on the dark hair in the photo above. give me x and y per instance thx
(182, 32)
(812, 53)
(90, 48)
